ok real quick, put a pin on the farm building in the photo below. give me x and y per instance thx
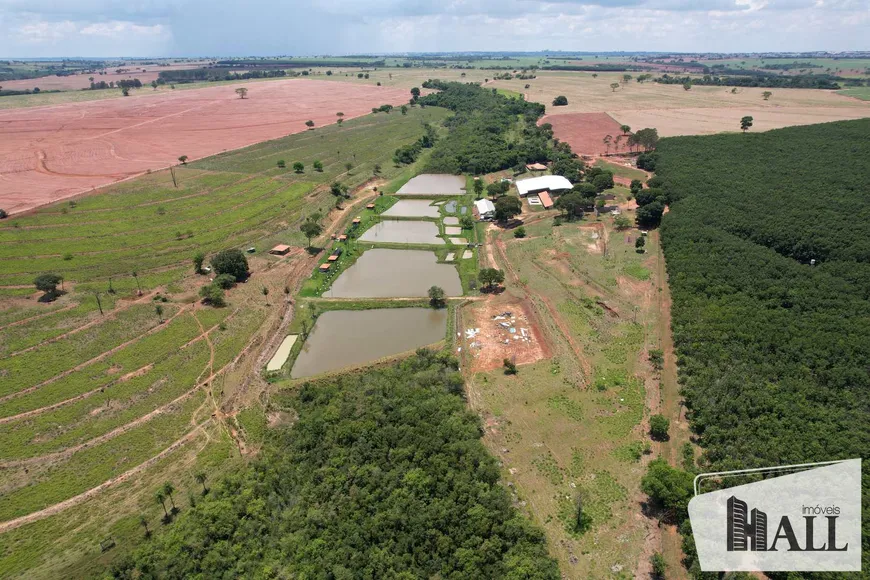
(536, 167)
(546, 200)
(280, 250)
(485, 209)
(554, 183)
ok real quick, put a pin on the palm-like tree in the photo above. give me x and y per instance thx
(144, 522)
(200, 479)
(167, 490)
(161, 497)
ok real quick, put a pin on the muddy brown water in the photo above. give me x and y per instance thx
(434, 184)
(382, 273)
(412, 208)
(345, 338)
(403, 232)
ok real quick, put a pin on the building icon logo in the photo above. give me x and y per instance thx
(746, 530)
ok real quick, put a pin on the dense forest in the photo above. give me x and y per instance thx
(768, 252)
(383, 475)
(488, 131)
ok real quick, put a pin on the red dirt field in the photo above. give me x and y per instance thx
(50, 153)
(583, 131)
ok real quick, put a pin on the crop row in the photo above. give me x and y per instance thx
(29, 334)
(95, 465)
(103, 373)
(172, 376)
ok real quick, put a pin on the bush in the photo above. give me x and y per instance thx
(3, 214)
(659, 567)
(510, 368)
(231, 262)
(520, 232)
(225, 281)
(659, 426)
(282, 164)
(466, 222)
(560, 101)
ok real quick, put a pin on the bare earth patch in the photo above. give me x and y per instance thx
(488, 337)
(584, 132)
(50, 153)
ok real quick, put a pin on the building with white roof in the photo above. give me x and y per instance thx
(554, 183)
(485, 209)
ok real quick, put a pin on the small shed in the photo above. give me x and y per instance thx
(342, 238)
(536, 167)
(356, 221)
(370, 206)
(546, 200)
(280, 250)
(324, 267)
(332, 258)
(485, 209)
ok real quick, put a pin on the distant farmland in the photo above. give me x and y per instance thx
(53, 153)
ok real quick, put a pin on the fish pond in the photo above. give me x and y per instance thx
(383, 273)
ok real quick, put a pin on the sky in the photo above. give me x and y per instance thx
(152, 28)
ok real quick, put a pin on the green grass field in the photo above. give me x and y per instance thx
(862, 93)
(621, 170)
(86, 396)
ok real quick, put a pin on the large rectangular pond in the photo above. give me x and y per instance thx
(403, 232)
(412, 208)
(434, 184)
(345, 338)
(382, 273)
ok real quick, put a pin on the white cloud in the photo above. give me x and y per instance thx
(119, 30)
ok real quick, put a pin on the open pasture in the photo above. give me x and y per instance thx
(53, 153)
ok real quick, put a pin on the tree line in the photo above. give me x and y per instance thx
(767, 245)
(382, 476)
(756, 79)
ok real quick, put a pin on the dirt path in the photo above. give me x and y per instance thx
(76, 500)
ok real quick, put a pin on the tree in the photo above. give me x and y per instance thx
(560, 101)
(614, 86)
(658, 427)
(571, 204)
(318, 166)
(639, 243)
(520, 232)
(490, 277)
(510, 368)
(626, 78)
(606, 140)
(47, 283)
(625, 129)
(635, 186)
(158, 309)
(669, 487)
(310, 124)
(478, 188)
(466, 222)
(339, 114)
(311, 227)
(415, 93)
(124, 91)
(338, 189)
(161, 499)
(687, 86)
(507, 207)
(436, 296)
(298, 167)
(168, 489)
(154, 85)
(231, 262)
(212, 294)
(621, 222)
(183, 159)
(200, 478)
(656, 358)
(766, 95)
(650, 215)
(3, 214)
(404, 109)
(143, 521)
(376, 169)
(281, 164)
(138, 287)
(198, 260)
(745, 123)
(242, 92)
(602, 181)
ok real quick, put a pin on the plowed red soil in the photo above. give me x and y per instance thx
(50, 153)
(584, 132)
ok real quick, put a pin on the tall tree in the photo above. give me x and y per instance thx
(745, 123)
(311, 227)
(242, 92)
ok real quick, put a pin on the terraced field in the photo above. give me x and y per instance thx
(99, 397)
